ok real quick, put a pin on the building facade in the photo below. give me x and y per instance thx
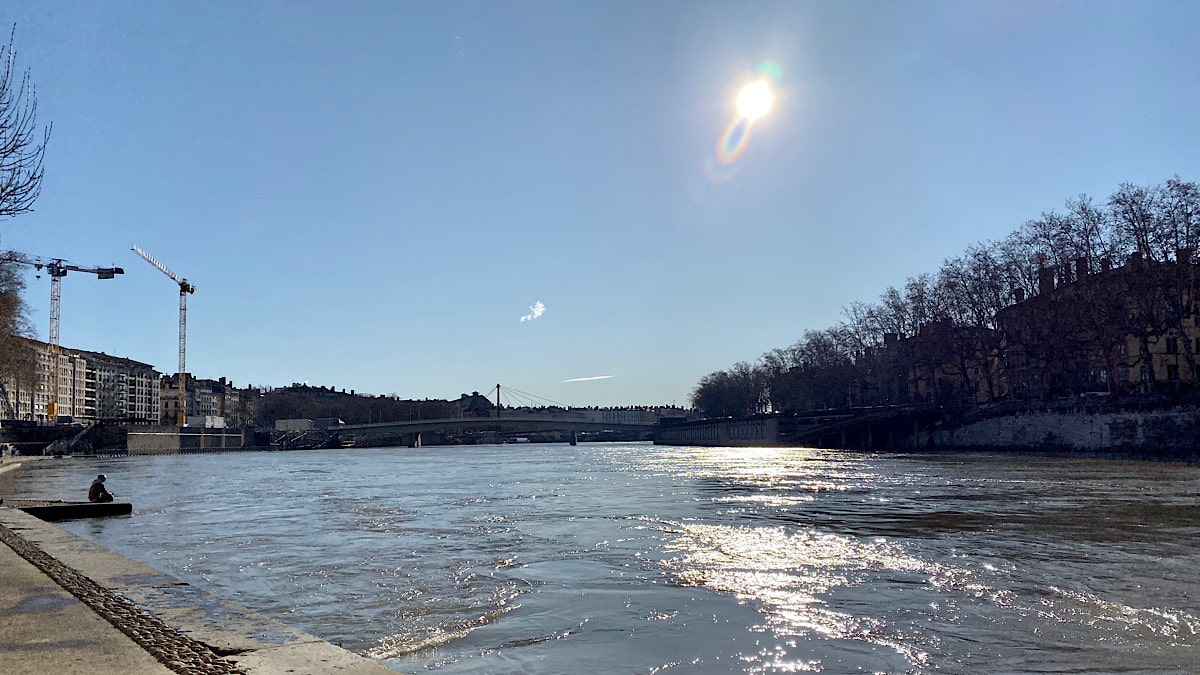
(1127, 329)
(91, 386)
(205, 398)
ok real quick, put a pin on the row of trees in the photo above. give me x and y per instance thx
(22, 147)
(830, 367)
(303, 402)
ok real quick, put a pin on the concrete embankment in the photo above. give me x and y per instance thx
(1155, 434)
(70, 606)
(1073, 428)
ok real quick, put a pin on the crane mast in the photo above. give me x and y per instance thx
(57, 268)
(185, 287)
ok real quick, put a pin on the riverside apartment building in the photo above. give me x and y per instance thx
(91, 386)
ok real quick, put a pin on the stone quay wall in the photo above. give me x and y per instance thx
(1149, 434)
(724, 433)
(173, 440)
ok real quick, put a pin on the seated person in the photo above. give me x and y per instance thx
(97, 492)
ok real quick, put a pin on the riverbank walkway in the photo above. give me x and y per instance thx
(68, 606)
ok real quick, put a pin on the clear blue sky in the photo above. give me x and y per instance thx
(371, 194)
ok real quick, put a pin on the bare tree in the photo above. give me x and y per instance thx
(21, 144)
(1021, 261)
(1050, 236)
(1094, 236)
(862, 328)
(16, 358)
(896, 313)
(921, 301)
(1178, 205)
(1134, 220)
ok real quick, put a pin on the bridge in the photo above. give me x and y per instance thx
(408, 432)
(510, 423)
(469, 429)
(481, 420)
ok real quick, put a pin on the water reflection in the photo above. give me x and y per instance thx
(790, 573)
(635, 558)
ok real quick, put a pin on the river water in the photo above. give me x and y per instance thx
(643, 559)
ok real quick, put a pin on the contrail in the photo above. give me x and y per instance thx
(589, 379)
(537, 310)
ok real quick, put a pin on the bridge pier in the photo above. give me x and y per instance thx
(416, 442)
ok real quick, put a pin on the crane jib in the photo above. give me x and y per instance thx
(57, 268)
(184, 288)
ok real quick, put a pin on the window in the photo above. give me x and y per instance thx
(1173, 373)
(1172, 345)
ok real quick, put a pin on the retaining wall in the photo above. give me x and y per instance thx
(1143, 433)
(173, 440)
(745, 432)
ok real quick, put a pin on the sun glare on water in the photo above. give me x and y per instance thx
(755, 100)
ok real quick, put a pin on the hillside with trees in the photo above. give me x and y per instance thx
(1004, 310)
(301, 401)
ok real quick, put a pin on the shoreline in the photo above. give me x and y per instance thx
(186, 629)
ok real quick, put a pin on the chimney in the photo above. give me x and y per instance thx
(1081, 267)
(1019, 294)
(1135, 259)
(1105, 264)
(1045, 280)
(1183, 256)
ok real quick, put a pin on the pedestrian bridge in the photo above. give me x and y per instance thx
(514, 423)
(475, 423)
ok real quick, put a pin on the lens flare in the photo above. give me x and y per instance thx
(753, 103)
(733, 141)
(718, 173)
(770, 71)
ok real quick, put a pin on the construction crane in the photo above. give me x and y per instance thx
(185, 287)
(57, 268)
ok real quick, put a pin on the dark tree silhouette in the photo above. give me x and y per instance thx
(22, 144)
(16, 358)
(1100, 296)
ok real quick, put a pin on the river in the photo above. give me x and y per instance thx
(643, 559)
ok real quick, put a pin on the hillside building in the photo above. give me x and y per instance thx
(205, 398)
(1127, 329)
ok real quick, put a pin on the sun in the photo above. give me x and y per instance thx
(755, 100)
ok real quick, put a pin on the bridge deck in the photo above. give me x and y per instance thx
(527, 422)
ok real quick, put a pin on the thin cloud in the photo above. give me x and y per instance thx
(537, 310)
(589, 379)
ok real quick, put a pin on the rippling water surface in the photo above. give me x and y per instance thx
(645, 559)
